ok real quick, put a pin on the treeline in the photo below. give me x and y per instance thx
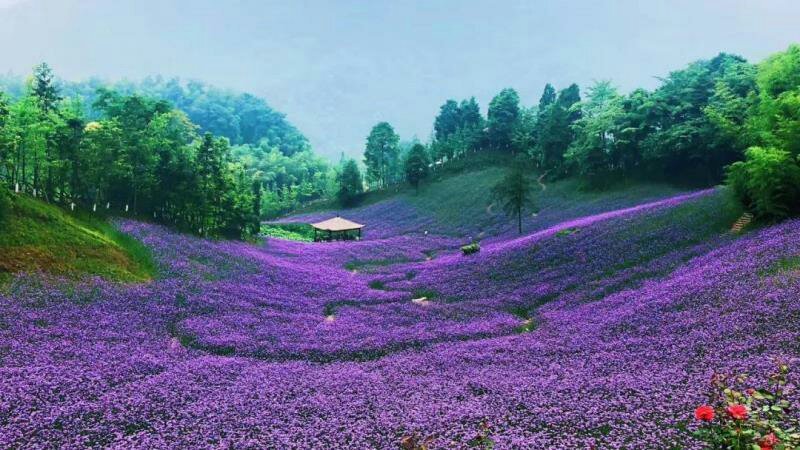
(135, 154)
(287, 181)
(715, 119)
(240, 117)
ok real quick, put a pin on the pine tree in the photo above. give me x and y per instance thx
(44, 88)
(514, 192)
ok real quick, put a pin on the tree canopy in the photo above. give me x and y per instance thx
(136, 149)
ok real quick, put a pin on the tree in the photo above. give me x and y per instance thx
(351, 185)
(44, 88)
(5, 140)
(458, 129)
(470, 114)
(684, 142)
(775, 120)
(591, 153)
(416, 165)
(524, 137)
(210, 160)
(502, 119)
(554, 129)
(515, 193)
(380, 155)
(548, 97)
(768, 181)
(448, 120)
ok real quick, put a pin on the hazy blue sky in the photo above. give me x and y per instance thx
(337, 67)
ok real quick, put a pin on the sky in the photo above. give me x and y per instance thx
(336, 68)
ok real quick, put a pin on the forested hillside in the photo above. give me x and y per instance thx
(240, 117)
(202, 159)
(722, 119)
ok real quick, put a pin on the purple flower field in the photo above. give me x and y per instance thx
(596, 331)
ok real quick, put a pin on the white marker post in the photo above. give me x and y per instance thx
(94, 207)
(72, 206)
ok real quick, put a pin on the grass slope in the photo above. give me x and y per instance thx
(460, 205)
(465, 199)
(35, 236)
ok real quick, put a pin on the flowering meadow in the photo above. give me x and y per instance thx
(600, 329)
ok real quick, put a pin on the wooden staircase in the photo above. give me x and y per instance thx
(743, 221)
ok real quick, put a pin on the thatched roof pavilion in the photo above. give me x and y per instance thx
(336, 228)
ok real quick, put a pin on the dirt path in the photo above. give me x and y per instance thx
(540, 180)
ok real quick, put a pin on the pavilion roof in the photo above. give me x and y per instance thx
(337, 224)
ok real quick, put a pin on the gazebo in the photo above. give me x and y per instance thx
(336, 229)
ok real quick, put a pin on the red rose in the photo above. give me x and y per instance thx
(768, 442)
(704, 413)
(737, 412)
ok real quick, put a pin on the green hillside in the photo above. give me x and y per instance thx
(465, 198)
(461, 205)
(36, 236)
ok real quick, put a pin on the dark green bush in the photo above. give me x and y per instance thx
(768, 182)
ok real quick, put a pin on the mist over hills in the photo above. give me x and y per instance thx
(338, 68)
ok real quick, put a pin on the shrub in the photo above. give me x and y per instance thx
(377, 284)
(291, 231)
(749, 418)
(768, 182)
(471, 248)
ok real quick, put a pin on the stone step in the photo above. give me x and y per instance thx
(742, 222)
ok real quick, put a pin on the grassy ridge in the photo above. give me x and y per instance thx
(35, 236)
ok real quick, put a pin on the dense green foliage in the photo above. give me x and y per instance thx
(292, 231)
(458, 130)
(242, 118)
(41, 237)
(285, 181)
(416, 165)
(766, 117)
(5, 204)
(351, 184)
(502, 118)
(768, 182)
(699, 121)
(132, 151)
(381, 156)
